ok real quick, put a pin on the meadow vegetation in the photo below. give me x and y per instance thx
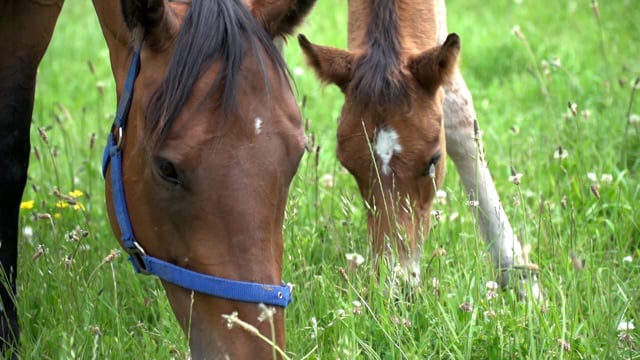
(556, 88)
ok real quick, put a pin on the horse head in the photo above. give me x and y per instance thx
(213, 139)
(391, 132)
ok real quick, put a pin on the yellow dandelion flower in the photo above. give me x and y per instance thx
(76, 193)
(57, 216)
(79, 206)
(62, 204)
(27, 205)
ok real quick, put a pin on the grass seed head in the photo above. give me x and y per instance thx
(439, 252)
(490, 314)
(517, 32)
(43, 135)
(40, 250)
(466, 307)
(573, 107)
(112, 256)
(266, 312)
(595, 190)
(68, 262)
(577, 262)
(564, 345)
(515, 177)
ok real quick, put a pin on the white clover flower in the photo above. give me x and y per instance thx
(357, 307)
(492, 285)
(626, 325)
(441, 197)
(490, 314)
(560, 153)
(627, 259)
(573, 107)
(515, 179)
(355, 258)
(327, 180)
(592, 176)
(27, 232)
(606, 178)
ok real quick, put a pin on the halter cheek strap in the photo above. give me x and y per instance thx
(277, 295)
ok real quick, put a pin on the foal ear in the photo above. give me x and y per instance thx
(279, 17)
(151, 21)
(330, 64)
(433, 67)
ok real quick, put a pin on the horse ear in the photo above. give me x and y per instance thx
(330, 64)
(279, 17)
(151, 21)
(433, 67)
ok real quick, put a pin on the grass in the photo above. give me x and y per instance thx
(78, 302)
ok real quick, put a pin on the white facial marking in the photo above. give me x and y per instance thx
(258, 125)
(387, 144)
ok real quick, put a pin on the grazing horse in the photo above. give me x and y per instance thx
(206, 141)
(404, 100)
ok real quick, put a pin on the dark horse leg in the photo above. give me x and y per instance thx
(26, 27)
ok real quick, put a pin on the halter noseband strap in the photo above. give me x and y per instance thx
(278, 295)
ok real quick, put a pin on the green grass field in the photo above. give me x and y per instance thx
(75, 305)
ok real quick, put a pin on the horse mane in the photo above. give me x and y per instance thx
(377, 79)
(212, 30)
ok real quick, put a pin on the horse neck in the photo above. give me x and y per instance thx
(420, 23)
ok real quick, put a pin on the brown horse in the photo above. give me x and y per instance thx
(200, 174)
(391, 134)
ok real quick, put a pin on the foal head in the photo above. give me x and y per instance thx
(213, 140)
(391, 131)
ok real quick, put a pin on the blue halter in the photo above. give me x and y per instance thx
(277, 295)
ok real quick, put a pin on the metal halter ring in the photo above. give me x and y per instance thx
(119, 137)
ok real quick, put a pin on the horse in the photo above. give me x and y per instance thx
(406, 108)
(207, 138)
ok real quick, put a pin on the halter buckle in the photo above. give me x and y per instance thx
(136, 256)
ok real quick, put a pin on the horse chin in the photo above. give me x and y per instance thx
(237, 343)
(225, 329)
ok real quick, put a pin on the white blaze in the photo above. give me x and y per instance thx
(387, 144)
(258, 125)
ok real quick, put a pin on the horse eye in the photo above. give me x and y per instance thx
(430, 167)
(167, 171)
